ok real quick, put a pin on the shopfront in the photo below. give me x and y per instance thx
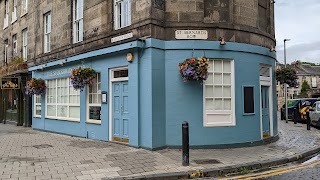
(138, 96)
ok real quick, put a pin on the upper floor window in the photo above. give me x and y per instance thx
(6, 14)
(77, 21)
(219, 105)
(122, 13)
(14, 12)
(47, 32)
(24, 7)
(25, 44)
(6, 51)
(14, 45)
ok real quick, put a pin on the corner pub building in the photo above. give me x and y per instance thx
(138, 96)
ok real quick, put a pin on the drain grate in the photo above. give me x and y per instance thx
(206, 161)
(41, 146)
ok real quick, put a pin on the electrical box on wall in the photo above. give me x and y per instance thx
(104, 97)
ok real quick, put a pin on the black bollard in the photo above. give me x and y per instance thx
(185, 144)
(308, 120)
(295, 115)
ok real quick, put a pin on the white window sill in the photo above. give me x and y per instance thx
(71, 120)
(23, 14)
(14, 20)
(5, 27)
(93, 122)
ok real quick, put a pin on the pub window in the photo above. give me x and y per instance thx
(218, 94)
(94, 100)
(37, 106)
(63, 101)
(248, 99)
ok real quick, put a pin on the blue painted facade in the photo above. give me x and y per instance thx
(159, 101)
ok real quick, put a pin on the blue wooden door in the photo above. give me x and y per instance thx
(265, 111)
(120, 112)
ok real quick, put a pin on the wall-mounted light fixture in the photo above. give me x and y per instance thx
(222, 41)
(272, 49)
(130, 57)
(272, 2)
(62, 63)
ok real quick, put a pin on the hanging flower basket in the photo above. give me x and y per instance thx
(194, 69)
(36, 87)
(82, 77)
(287, 75)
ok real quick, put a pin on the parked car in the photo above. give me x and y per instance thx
(314, 112)
(298, 108)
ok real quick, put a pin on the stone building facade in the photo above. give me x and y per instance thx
(136, 46)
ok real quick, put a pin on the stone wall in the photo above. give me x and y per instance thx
(243, 21)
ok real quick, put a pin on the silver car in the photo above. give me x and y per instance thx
(315, 114)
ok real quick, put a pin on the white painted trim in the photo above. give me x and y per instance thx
(267, 81)
(111, 80)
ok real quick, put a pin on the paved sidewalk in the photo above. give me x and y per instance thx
(29, 154)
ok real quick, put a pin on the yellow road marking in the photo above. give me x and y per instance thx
(274, 172)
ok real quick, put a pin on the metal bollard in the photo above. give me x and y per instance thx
(185, 144)
(308, 120)
(295, 115)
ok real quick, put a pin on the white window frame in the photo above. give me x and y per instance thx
(47, 32)
(25, 44)
(77, 21)
(98, 93)
(122, 13)
(68, 104)
(14, 12)
(35, 104)
(213, 118)
(24, 7)
(6, 14)
(14, 45)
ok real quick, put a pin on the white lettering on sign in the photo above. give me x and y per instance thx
(63, 71)
(122, 37)
(191, 34)
(142, 4)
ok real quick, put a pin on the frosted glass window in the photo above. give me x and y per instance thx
(219, 93)
(218, 78)
(217, 66)
(209, 104)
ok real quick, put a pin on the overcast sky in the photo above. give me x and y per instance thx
(298, 20)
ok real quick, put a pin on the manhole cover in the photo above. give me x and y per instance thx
(206, 161)
(41, 146)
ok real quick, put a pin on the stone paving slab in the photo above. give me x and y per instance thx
(30, 154)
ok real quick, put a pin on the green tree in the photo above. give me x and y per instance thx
(304, 88)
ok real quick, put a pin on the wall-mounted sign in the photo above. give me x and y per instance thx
(10, 83)
(122, 37)
(63, 71)
(191, 34)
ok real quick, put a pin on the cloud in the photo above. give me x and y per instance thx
(304, 52)
(299, 21)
